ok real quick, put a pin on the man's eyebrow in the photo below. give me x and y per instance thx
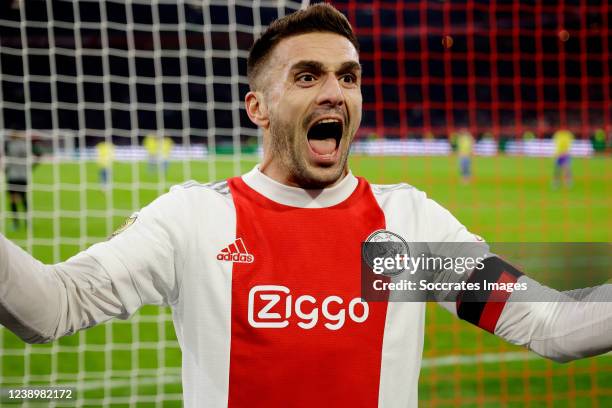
(349, 66)
(308, 65)
(317, 66)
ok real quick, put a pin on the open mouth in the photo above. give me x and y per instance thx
(324, 136)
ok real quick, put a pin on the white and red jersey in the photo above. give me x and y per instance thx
(264, 283)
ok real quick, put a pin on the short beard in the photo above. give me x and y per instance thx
(284, 146)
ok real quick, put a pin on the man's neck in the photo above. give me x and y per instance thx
(297, 196)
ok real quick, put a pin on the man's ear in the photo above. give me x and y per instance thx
(256, 109)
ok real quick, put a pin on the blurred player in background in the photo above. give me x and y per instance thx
(465, 150)
(563, 140)
(151, 145)
(105, 154)
(166, 149)
(16, 168)
(158, 152)
(599, 140)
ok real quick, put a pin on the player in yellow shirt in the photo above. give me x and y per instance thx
(158, 151)
(465, 148)
(105, 154)
(563, 139)
(151, 145)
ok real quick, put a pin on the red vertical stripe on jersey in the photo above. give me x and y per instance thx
(305, 261)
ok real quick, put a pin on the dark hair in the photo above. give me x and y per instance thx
(320, 17)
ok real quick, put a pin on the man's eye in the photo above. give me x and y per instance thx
(349, 78)
(306, 78)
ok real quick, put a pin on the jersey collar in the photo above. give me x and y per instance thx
(299, 197)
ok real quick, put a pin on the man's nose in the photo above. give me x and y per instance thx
(330, 92)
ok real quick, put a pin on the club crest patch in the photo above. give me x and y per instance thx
(126, 224)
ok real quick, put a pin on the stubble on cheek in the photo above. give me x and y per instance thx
(281, 142)
(291, 155)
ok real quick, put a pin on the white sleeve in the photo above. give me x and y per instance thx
(142, 261)
(450, 238)
(567, 326)
(111, 279)
(561, 326)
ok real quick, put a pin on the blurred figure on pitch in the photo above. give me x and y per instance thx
(158, 152)
(16, 168)
(151, 144)
(465, 148)
(166, 149)
(599, 141)
(563, 140)
(105, 154)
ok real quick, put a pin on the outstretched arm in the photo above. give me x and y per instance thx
(566, 329)
(43, 302)
(111, 279)
(561, 326)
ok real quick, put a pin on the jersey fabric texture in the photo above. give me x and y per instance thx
(290, 324)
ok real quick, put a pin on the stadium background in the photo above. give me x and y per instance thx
(77, 73)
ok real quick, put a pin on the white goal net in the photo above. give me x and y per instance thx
(112, 102)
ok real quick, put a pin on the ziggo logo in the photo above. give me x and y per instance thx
(264, 317)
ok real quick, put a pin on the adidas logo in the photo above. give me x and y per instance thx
(236, 252)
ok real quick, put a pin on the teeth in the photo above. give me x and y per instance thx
(329, 121)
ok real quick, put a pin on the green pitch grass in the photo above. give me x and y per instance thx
(137, 362)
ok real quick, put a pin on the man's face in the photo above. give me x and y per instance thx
(311, 88)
